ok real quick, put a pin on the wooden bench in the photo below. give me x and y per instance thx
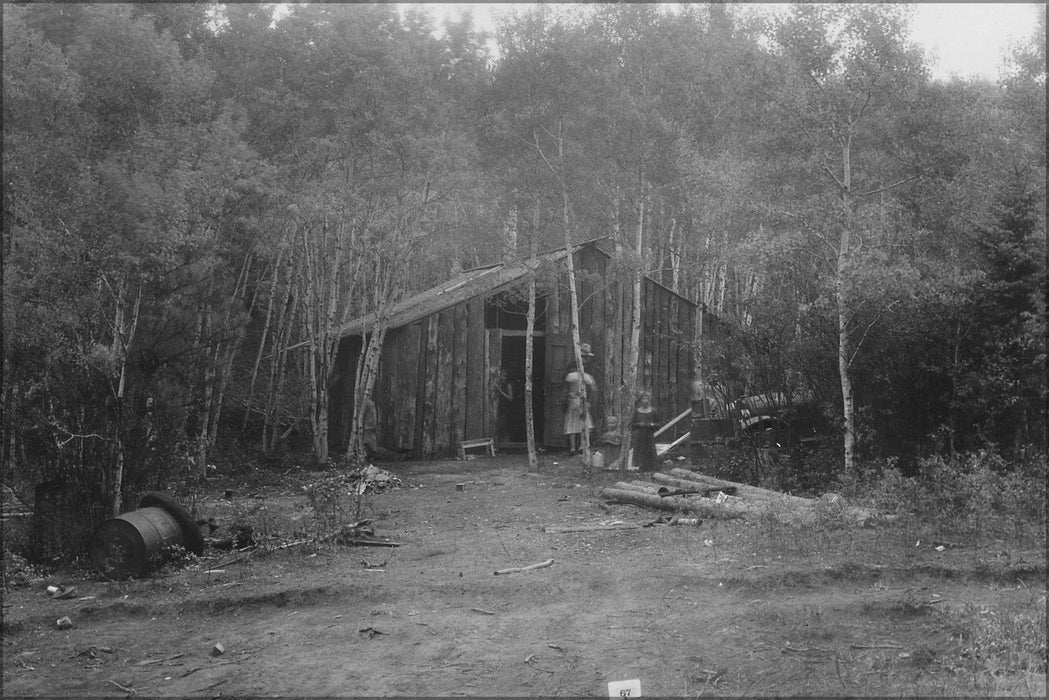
(472, 444)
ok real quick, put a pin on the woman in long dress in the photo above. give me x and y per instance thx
(576, 418)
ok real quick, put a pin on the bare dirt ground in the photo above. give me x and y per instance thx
(725, 608)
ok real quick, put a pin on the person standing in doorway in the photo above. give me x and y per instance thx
(577, 416)
(504, 389)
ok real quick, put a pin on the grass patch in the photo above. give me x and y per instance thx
(999, 647)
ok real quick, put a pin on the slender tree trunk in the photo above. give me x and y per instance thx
(574, 298)
(533, 264)
(841, 293)
(615, 329)
(207, 389)
(262, 339)
(635, 315)
(123, 335)
(952, 444)
(279, 358)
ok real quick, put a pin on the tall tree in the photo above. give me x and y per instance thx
(848, 68)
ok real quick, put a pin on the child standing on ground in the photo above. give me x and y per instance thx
(642, 433)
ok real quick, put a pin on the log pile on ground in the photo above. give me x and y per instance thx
(686, 491)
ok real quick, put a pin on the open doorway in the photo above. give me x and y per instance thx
(513, 362)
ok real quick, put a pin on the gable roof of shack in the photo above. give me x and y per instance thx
(464, 286)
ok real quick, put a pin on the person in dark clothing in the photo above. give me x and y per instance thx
(642, 434)
(369, 425)
(504, 390)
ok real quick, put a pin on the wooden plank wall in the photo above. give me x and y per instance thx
(460, 330)
(429, 363)
(433, 385)
(475, 369)
(406, 390)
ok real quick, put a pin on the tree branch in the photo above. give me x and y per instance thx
(894, 185)
(867, 330)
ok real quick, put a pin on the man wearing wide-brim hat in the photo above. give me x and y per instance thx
(577, 419)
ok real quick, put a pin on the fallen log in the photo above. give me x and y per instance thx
(707, 492)
(642, 486)
(703, 506)
(367, 543)
(683, 487)
(517, 570)
(745, 490)
(803, 509)
(588, 528)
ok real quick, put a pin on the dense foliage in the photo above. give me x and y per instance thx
(196, 196)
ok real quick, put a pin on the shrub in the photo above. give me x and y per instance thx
(977, 496)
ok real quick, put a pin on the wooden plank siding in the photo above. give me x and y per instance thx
(430, 387)
(443, 395)
(460, 330)
(475, 369)
(407, 389)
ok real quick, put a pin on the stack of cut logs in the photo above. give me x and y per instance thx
(685, 491)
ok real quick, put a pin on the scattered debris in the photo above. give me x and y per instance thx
(369, 632)
(371, 478)
(370, 565)
(151, 662)
(619, 525)
(518, 570)
(130, 691)
(64, 623)
(59, 592)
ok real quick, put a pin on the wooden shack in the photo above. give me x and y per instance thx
(444, 348)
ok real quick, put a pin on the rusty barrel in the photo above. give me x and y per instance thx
(134, 543)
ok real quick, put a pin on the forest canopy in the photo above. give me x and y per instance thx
(197, 195)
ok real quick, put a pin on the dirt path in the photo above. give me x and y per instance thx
(709, 610)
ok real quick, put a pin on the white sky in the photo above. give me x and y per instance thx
(963, 39)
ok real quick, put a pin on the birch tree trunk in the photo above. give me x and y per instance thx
(841, 296)
(573, 292)
(635, 316)
(390, 273)
(124, 329)
(614, 396)
(263, 337)
(533, 265)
